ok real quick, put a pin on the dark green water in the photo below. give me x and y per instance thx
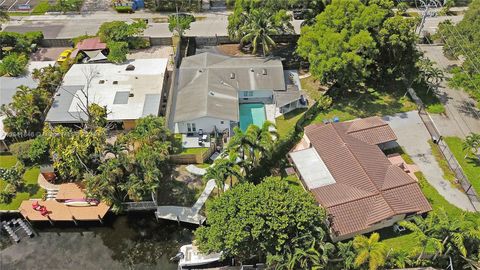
(133, 241)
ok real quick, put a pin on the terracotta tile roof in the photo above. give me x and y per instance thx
(368, 187)
(372, 130)
(90, 44)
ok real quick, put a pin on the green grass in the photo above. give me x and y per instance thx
(448, 174)
(286, 123)
(470, 164)
(31, 190)
(194, 151)
(41, 8)
(312, 87)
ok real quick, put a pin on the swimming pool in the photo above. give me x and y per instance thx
(252, 113)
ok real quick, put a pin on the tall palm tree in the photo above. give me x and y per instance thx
(315, 257)
(471, 144)
(369, 250)
(345, 255)
(260, 25)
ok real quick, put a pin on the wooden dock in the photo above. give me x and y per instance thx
(187, 214)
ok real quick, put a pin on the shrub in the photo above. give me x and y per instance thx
(124, 9)
(7, 194)
(33, 151)
(13, 176)
(117, 52)
(13, 65)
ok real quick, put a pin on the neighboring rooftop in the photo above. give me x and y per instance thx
(90, 44)
(129, 91)
(367, 188)
(209, 83)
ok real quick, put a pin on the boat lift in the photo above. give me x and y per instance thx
(16, 227)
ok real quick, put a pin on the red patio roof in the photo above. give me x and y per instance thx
(91, 44)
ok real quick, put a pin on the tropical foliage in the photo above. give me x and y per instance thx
(463, 39)
(26, 112)
(449, 237)
(137, 167)
(117, 52)
(120, 31)
(259, 221)
(471, 144)
(370, 251)
(352, 43)
(13, 65)
(179, 24)
(223, 169)
(253, 145)
(17, 42)
(255, 22)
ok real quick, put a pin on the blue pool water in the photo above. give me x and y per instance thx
(253, 113)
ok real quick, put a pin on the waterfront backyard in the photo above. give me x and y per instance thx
(30, 189)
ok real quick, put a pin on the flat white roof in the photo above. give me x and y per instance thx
(312, 169)
(127, 94)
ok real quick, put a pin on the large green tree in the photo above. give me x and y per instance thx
(259, 221)
(352, 43)
(120, 31)
(13, 65)
(26, 112)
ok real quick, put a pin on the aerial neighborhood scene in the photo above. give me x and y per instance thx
(240, 134)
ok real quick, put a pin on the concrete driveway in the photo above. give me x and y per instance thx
(413, 137)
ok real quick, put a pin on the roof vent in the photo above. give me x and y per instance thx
(200, 71)
(251, 70)
(130, 67)
(264, 71)
(130, 95)
(115, 82)
(211, 93)
(101, 81)
(232, 75)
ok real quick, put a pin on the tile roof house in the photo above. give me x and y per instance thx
(342, 165)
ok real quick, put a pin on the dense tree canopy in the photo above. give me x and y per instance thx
(179, 24)
(120, 31)
(352, 42)
(463, 39)
(13, 65)
(259, 221)
(137, 167)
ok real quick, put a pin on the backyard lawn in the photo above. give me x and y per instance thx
(31, 190)
(470, 164)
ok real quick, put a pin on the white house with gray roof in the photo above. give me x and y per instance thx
(129, 91)
(212, 90)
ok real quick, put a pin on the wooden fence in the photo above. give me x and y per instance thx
(193, 158)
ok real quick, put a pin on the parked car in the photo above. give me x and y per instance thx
(64, 56)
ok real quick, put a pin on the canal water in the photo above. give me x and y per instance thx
(132, 241)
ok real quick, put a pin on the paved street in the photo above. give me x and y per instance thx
(462, 117)
(69, 26)
(413, 136)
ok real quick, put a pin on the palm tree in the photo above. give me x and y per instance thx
(261, 140)
(369, 250)
(315, 257)
(471, 144)
(421, 229)
(456, 232)
(217, 173)
(260, 25)
(345, 254)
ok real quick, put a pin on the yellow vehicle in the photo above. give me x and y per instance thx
(64, 56)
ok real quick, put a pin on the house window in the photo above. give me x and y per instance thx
(221, 122)
(194, 128)
(248, 94)
(189, 127)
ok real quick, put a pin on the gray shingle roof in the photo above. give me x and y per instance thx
(209, 84)
(9, 85)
